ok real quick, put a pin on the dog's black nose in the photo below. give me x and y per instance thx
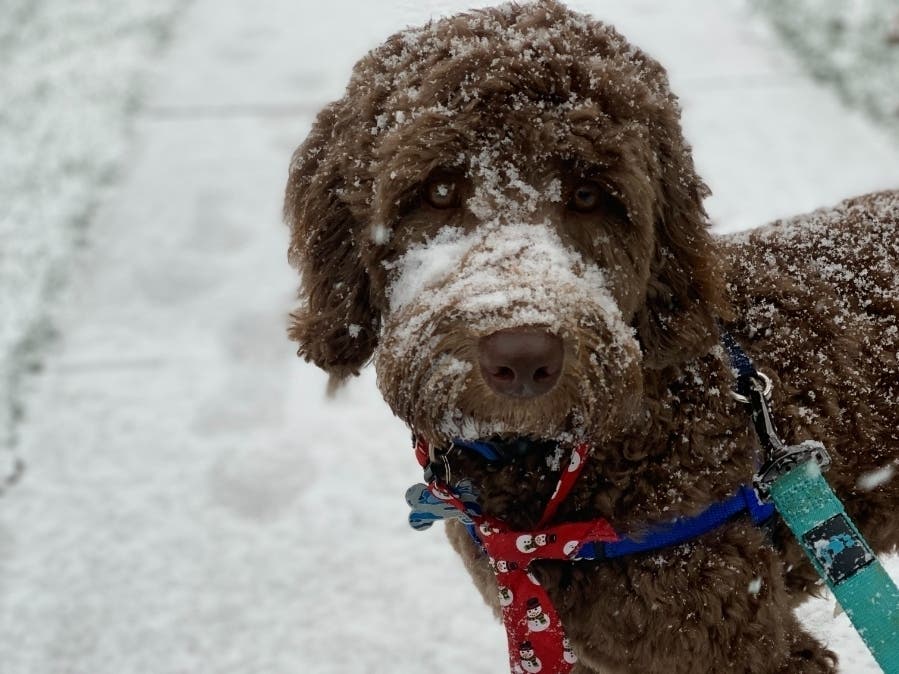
(521, 362)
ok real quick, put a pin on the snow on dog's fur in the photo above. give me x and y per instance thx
(524, 167)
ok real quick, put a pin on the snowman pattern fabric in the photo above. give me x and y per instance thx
(536, 636)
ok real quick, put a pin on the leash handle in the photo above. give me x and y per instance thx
(842, 557)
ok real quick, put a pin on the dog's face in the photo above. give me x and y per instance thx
(502, 210)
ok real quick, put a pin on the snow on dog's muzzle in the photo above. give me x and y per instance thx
(455, 299)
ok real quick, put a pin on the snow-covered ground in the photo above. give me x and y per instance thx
(69, 81)
(193, 502)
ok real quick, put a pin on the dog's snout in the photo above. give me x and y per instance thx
(521, 362)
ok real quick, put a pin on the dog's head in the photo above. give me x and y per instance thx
(502, 209)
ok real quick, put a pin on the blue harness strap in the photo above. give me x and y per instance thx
(676, 531)
(685, 528)
(739, 361)
(482, 447)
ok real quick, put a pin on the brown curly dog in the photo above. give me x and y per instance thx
(503, 213)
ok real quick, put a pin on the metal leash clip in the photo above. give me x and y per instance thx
(439, 466)
(780, 459)
(767, 390)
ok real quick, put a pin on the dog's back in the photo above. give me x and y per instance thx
(816, 302)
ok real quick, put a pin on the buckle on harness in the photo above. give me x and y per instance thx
(780, 459)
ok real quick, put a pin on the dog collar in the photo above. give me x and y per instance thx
(493, 451)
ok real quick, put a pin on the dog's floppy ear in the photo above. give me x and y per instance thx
(686, 294)
(335, 326)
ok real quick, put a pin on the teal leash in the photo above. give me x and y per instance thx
(842, 557)
(792, 478)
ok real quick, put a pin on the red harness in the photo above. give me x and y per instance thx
(537, 641)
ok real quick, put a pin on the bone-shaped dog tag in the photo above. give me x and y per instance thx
(427, 508)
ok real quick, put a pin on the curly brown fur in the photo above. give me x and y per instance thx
(516, 107)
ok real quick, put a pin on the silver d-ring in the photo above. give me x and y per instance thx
(766, 391)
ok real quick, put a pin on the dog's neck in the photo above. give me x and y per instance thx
(691, 445)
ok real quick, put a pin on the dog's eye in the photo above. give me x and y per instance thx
(587, 197)
(442, 192)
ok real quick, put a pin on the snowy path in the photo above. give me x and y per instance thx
(69, 80)
(193, 503)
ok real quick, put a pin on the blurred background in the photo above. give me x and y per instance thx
(177, 495)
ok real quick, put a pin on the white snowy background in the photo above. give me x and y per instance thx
(192, 502)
